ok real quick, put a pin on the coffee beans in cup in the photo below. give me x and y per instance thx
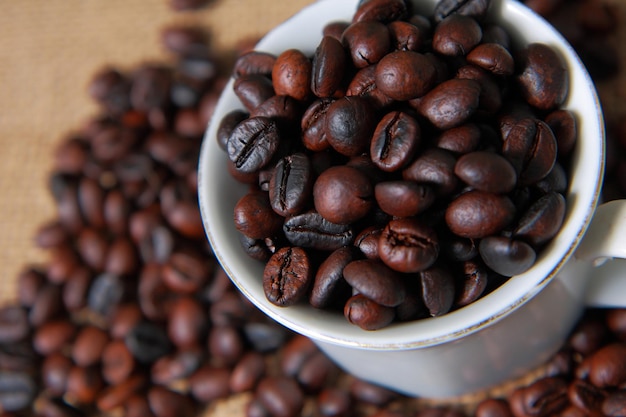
(433, 146)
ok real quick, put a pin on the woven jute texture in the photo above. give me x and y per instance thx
(49, 50)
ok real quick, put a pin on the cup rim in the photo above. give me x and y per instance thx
(320, 325)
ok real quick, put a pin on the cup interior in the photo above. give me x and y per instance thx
(218, 193)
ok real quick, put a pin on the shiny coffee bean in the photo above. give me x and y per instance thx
(405, 36)
(290, 185)
(254, 216)
(186, 322)
(313, 125)
(492, 57)
(438, 290)
(280, 395)
(329, 286)
(564, 125)
(477, 214)
(543, 397)
(542, 221)
(405, 75)
(343, 195)
(89, 345)
(367, 42)
(403, 198)
(407, 245)
(334, 402)
(253, 143)
(209, 383)
(367, 314)
(506, 256)
(254, 62)
(376, 281)
(543, 80)
(395, 141)
(380, 11)
(363, 84)
(291, 74)
(486, 171)
(328, 67)
(349, 124)
(247, 372)
(311, 230)
(117, 362)
(473, 282)
(606, 366)
(287, 276)
(475, 8)
(367, 241)
(456, 35)
(252, 90)
(451, 103)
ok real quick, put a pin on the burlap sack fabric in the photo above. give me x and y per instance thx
(49, 49)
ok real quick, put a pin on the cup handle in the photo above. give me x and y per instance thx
(604, 245)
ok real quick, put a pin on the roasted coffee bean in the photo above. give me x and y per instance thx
(506, 256)
(253, 143)
(17, 391)
(329, 287)
(116, 396)
(438, 290)
(458, 248)
(313, 125)
(176, 366)
(486, 171)
(226, 345)
(209, 383)
(290, 185)
(106, 291)
(252, 90)
(367, 241)
(264, 337)
(475, 8)
(334, 402)
(186, 322)
(247, 372)
(280, 395)
(291, 75)
(493, 407)
(380, 11)
(405, 75)
(542, 221)
(343, 195)
(54, 372)
(254, 62)
(543, 78)
(46, 306)
(287, 276)
(370, 393)
(615, 404)
(473, 282)
(367, 314)
(227, 125)
(88, 345)
(408, 245)
(564, 125)
(167, 403)
(363, 84)
(13, 324)
(433, 167)
(375, 281)
(53, 336)
(586, 396)
(295, 353)
(84, 384)
(607, 366)
(451, 103)
(311, 230)
(405, 36)
(491, 94)
(543, 397)
(367, 41)
(286, 111)
(76, 288)
(456, 35)
(492, 57)
(395, 141)
(186, 271)
(254, 216)
(147, 342)
(349, 124)
(477, 214)
(29, 283)
(117, 362)
(328, 67)
(460, 140)
(315, 373)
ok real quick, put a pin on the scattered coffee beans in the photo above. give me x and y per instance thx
(356, 156)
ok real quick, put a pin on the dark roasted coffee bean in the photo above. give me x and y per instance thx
(106, 291)
(76, 288)
(615, 404)
(147, 342)
(363, 84)
(343, 195)
(227, 125)
(370, 393)
(334, 402)
(295, 353)
(472, 284)
(117, 362)
(115, 396)
(254, 62)
(328, 66)
(492, 57)
(542, 221)
(54, 372)
(17, 391)
(491, 94)
(403, 198)
(316, 372)
(607, 366)
(456, 35)
(311, 230)
(433, 167)
(586, 396)
(254, 216)
(564, 125)
(375, 281)
(506, 256)
(14, 324)
(477, 214)
(458, 248)
(493, 407)
(406, 36)
(210, 383)
(475, 8)
(167, 403)
(543, 78)
(438, 290)
(405, 75)
(88, 345)
(291, 75)
(407, 245)
(367, 314)
(247, 372)
(451, 103)
(395, 141)
(253, 90)
(84, 384)
(253, 143)
(290, 185)
(280, 395)
(46, 306)
(226, 345)
(367, 41)
(544, 397)
(53, 336)
(287, 276)
(460, 140)
(380, 11)
(367, 241)
(313, 125)
(186, 323)
(329, 287)
(349, 124)
(486, 171)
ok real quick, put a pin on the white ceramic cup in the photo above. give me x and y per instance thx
(503, 335)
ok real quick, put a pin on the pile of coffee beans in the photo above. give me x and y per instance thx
(408, 167)
(132, 316)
